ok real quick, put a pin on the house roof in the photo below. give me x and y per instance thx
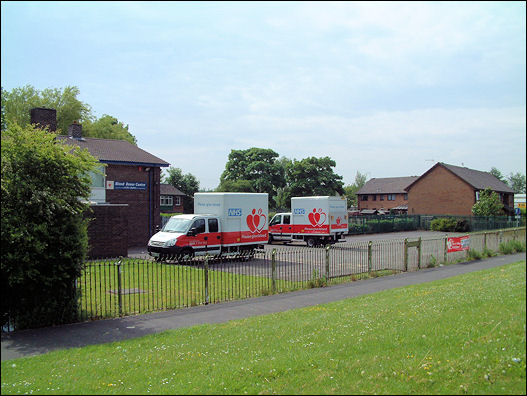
(113, 151)
(169, 189)
(479, 180)
(387, 185)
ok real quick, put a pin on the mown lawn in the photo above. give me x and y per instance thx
(459, 335)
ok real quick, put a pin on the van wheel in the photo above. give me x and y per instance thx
(311, 242)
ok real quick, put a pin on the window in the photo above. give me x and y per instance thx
(382, 197)
(287, 219)
(406, 197)
(364, 198)
(177, 201)
(213, 225)
(199, 225)
(374, 197)
(166, 200)
(477, 196)
(391, 197)
(97, 178)
(276, 220)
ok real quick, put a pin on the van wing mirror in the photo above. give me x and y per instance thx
(191, 232)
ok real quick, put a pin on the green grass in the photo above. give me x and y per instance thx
(161, 286)
(460, 335)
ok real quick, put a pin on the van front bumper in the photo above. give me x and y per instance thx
(160, 251)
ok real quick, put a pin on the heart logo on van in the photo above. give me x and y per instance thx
(317, 218)
(256, 221)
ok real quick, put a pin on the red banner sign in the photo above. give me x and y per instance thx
(457, 244)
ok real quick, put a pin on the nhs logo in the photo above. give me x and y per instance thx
(235, 212)
(299, 211)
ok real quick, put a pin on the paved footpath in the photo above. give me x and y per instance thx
(39, 341)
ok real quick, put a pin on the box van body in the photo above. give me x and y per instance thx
(222, 223)
(315, 220)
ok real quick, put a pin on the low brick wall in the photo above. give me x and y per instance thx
(108, 231)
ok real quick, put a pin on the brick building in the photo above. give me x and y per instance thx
(171, 199)
(125, 197)
(382, 194)
(453, 190)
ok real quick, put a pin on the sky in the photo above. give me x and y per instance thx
(386, 89)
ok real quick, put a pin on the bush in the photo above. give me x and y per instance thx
(450, 224)
(511, 247)
(45, 188)
(474, 255)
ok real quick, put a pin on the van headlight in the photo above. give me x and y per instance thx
(172, 242)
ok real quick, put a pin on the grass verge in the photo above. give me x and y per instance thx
(459, 335)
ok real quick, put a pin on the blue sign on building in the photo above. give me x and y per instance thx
(126, 185)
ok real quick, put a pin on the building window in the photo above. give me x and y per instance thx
(382, 197)
(98, 185)
(477, 196)
(374, 197)
(166, 200)
(177, 201)
(406, 197)
(364, 198)
(391, 197)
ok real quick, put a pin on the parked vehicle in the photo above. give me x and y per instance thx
(222, 223)
(315, 220)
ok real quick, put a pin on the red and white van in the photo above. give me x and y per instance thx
(315, 220)
(222, 223)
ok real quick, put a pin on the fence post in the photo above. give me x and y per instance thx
(119, 287)
(419, 253)
(445, 249)
(369, 256)
(206, 279)
(405, 254)
(327, 262)
(485, 240)
(273, 270)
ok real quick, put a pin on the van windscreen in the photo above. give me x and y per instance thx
(177, 224)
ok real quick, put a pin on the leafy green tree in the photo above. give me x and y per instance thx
(45, 192)
(351, 190)
(313, 176)
(497, 174)
(186, 183)
(107, 127)
(17, 105)
(258, 166)
(235, 186)
(489, 204)
(517, 182)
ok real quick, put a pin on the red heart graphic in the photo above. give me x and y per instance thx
(317, 217)
(311, 218)
(250, 223)
(256, 221)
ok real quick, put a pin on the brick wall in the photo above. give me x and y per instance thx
(441, 192)
(378, 204)
(141, 223)
(108, 231)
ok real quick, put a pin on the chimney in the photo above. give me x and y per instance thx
(75, 130)
(44, 118)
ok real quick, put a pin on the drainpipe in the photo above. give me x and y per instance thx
(150, 201)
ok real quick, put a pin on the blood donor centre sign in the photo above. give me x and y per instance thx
(458, 244)
(125, 185)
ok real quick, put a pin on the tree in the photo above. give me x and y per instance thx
(45, 193)
(517, 182)
(17, 105)
(489, 204)
(313, 176)
(351, 190)
(497, 174)
(186, 183)
(235, 186)
(257, 166)
(107, 127)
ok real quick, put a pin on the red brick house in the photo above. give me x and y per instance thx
(383, 194)
(453, 190)
(171, 199)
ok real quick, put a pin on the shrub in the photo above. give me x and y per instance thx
(45, 188)
(488, 253)
(511, 247)
(317, 281)
(474, 255)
